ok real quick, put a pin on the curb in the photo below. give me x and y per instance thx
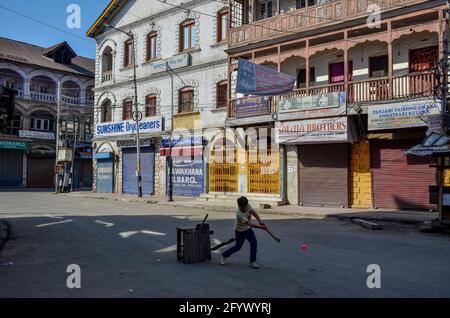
(309, 215)
(4, 233)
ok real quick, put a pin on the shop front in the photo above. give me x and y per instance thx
(401, 181)
(12, 156)
(105, 172)
(188, 165)
(41, 166)
(323, 158)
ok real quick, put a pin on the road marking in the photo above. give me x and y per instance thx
(106, 224)
(168, 249)
(154, 233)
(54, 216)
(128, 234)
(54, 223)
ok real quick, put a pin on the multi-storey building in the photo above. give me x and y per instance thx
(366, 86)
(181, 67)
(27, 144)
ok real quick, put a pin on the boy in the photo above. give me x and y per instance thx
(243, 231)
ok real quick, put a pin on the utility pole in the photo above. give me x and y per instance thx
(73, 154)
(58, 93)
(170, 161)
(137, 115)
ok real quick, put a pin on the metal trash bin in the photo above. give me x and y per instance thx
(194, 245)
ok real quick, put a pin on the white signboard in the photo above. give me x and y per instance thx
(333, 129)
(36, 134)
(128, 127)
(175, 62)
(402, 115)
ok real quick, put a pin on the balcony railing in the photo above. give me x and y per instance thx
(107, 76)
(309, 18)
(413, 85)
(43, 97)
(70, 100)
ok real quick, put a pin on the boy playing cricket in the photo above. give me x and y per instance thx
(243, 231)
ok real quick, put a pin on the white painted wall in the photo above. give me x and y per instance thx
(209, 60)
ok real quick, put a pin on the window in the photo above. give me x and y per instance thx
(222, 26)
(186, 100)
(150, 106)
(301, 77)
(43, 89)
(265, 9)
(41, 124)
(127, 110)
(222, 93)
(11, 83)
(152, 46)
(188, 30)
(378, 66)
(128, 54)
(106, 115)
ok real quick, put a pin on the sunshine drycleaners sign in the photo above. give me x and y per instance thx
(128, 127)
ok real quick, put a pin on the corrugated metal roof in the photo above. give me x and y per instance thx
(20, 52)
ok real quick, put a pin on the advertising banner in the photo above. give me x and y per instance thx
(252, 106)
(254, 79)
(402, 115)
(188, 176)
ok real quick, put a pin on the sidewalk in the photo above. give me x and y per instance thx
(403, 216)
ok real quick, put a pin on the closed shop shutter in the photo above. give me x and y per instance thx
(105, 176)
(11, 168)
(129, 164)
(400, 181)
(40, 172)
(323, 176)
(82, 173)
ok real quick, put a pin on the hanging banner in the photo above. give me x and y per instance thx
(254, 79)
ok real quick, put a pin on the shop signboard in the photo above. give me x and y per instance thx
(128, 127)
(252, 106)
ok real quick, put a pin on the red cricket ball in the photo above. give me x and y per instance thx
(304, 247)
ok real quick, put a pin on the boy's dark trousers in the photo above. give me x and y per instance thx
(248, 235)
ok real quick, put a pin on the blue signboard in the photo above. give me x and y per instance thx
(252, 106)
(254, 79)
(188, 175)
(183, 141)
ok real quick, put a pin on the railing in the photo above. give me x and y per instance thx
(107, 76)
(43, 97)
(413, 85)
(70, 100)
(308, 18)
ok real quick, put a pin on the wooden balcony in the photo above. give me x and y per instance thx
(413, 85)
(308, 18)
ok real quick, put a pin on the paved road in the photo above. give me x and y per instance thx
(127, 250)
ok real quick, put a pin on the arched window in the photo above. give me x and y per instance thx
(150, 106)
(152, 46)
(42, 121)
(187, 35)
(106, 111)
(127, 109)
(186, 100)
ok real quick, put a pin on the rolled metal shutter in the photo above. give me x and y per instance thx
(323, 176)
(11, 168)
(40, 172)
(400, 181)
(105, 176)
(129, 164)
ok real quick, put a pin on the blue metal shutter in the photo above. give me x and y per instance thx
(129, 164)
(11, 168)
(105, 175)
(188, 176)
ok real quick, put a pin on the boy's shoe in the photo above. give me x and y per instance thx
(222, 260)
(254, 265)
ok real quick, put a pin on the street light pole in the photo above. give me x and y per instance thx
(137, 115)
(170, 161)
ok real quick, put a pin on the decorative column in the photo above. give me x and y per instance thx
(346, 70)
(390, 61)
(308, 67)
